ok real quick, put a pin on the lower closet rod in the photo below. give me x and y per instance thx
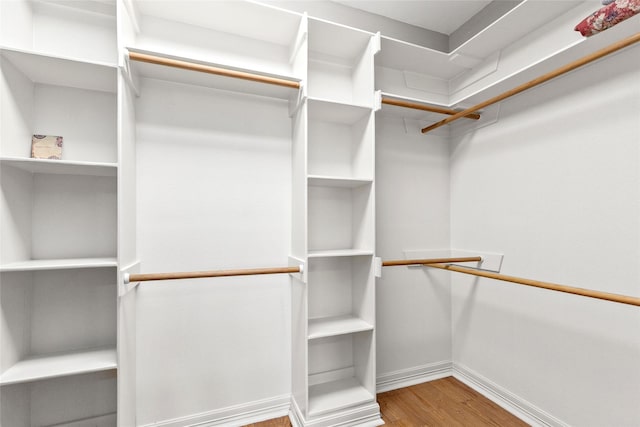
(128, 278)
(622, 299)
(414, 105)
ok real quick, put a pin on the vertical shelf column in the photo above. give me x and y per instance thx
(334, 231)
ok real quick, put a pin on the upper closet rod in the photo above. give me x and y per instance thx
(128, 278)
(622, 299)
(545, 77)
(209, 69)
(416, 106)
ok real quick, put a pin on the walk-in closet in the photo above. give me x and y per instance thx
(221, 212)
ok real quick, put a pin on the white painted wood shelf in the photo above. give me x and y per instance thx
(339, 253)
(326, 110)
(69, 72)
(337, 325)
(334, 181)
(63, 167)
(59, 264)
(59, 365)
(337, 395)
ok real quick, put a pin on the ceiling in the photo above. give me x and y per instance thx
(443, 16)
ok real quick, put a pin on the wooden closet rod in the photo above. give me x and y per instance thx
(209, 69)
(623, 299)
(128, 278)
(398, 262)
(416, 106)
(539, 80)
(214, 273)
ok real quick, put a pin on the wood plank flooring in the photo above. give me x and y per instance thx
(445, 402)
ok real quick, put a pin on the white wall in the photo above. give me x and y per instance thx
(412, 213)
(555, 186)
(214, 192)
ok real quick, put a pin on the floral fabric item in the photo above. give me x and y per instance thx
(608, 16)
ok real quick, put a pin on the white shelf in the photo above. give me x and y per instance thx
(331, 181)
(336, 395)
(339, 253)
(60, 71)
(59, 264)
(60, 365)
(63, 167)
(336, 112)
(401, 55)
(339, 325)
(177, 75)
(336, 40)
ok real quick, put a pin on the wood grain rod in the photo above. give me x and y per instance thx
(622, 299)
(213, 273)
(209, 69)
(423, 107)
(398, 262)
(541, 79)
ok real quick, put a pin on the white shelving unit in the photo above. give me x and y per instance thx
(59, 264)
(334, 311)
(70, 228)
(58, 271)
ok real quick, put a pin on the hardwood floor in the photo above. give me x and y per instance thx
(446, 402)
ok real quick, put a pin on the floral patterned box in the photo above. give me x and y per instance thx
(46, 147)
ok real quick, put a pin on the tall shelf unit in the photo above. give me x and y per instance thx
(58, 263)
(334, 235)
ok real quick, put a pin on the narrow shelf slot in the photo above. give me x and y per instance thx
(58, 264)
(59, 365)
(63, 167)
(339, 253)
(338, 325)
(340, 218)
(334, 395)
(334, 181)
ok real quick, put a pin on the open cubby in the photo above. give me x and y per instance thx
(87, 400)
(340, 218)
(340, 140)
(340, 295)
(341, 372)
(57, 323)
(55, 216)
(53, 96)
(340, 63)
(240, 35)
(52, 27)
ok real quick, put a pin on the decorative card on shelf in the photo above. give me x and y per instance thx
(46, 147)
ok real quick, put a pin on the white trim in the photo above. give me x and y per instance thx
(412, 376)
(360, 416)
(514, 404)
(246, 413)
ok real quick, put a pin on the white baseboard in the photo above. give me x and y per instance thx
(233, 416)
(516, 405)
(412, 376)
(359, 416)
